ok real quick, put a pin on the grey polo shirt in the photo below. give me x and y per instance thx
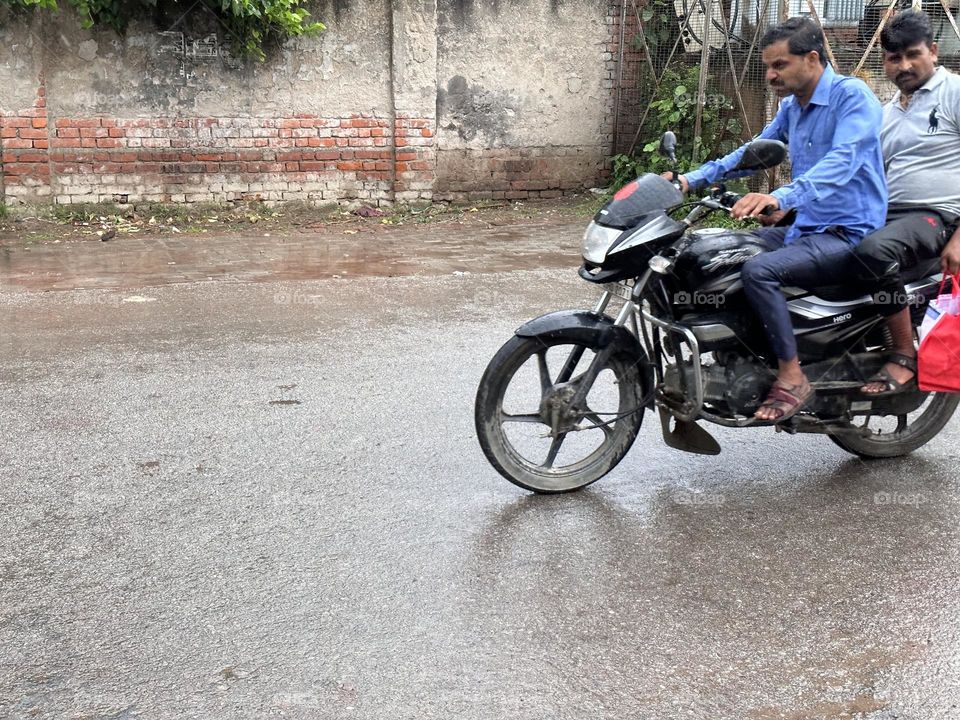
(921, 146)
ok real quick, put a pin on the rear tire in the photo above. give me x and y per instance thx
(505, 454)
(918, 432)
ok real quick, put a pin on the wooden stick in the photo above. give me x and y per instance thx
(826, 41)
(876, 35)
(953, 23)
(733, 74)
(704, 69)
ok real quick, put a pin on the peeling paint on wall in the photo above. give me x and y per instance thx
(472, 111)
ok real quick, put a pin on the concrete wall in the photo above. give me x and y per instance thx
(397, 100)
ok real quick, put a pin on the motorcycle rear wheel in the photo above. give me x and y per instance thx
(536, 460)
(915, 431)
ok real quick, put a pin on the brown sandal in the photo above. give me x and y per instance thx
(786, 399)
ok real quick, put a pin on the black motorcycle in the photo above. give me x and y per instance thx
(562, 401)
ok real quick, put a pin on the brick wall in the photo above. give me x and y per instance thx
(25, 148)
(165, 114)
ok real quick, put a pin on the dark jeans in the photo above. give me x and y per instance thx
(808, 261)
(909, 237)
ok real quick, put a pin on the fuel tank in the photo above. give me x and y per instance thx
(711, 261)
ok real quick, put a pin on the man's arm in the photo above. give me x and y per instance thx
(859, 117)
(713, 169)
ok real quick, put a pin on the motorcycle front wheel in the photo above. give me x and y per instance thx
(527, 384)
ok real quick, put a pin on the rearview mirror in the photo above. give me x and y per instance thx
(762, 154)
(668, 146)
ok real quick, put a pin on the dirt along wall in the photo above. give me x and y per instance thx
(397, 100)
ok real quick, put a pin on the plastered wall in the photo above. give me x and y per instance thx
(398, 100)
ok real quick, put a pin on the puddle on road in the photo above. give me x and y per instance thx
(144, 262)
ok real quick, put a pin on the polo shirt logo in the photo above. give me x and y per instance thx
(934, 120)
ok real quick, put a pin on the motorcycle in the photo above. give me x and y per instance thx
(562, 401)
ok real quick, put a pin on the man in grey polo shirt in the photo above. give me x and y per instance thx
(920, 139)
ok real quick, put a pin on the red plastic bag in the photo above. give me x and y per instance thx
(938, 359)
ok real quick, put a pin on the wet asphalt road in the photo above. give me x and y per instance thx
(229, 500)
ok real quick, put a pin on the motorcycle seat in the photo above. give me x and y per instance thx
(855, 290)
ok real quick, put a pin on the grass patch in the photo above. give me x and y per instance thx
(4, 211)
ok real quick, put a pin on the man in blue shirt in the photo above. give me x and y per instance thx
(831, 124)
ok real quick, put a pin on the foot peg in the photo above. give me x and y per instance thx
(687, 436)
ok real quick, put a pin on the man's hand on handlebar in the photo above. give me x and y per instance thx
(684, 185)
(753, 205)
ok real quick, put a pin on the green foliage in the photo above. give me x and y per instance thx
(251, 24)
(4, 211)
(674, 107)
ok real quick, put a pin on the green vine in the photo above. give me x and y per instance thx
(251, 24)
(674, 107)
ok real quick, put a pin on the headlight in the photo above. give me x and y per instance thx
(596, 241)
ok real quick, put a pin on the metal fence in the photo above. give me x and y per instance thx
(693, 66)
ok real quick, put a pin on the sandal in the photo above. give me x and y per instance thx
(893, 386)
(786, 399)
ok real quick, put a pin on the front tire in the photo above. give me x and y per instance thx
(534, 459)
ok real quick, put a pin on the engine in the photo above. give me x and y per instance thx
(733, 384)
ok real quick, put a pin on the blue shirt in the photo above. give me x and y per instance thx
(837, 164)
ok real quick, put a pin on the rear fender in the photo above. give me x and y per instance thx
(593, 330)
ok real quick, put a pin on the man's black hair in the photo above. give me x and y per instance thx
(802, 34)
(905, 30)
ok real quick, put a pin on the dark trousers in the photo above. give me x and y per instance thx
(908, 238)
(808, 261)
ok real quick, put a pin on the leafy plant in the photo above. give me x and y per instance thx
(674, 107)
(252, 24)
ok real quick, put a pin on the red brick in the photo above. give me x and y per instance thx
(208, 157)
(108, 123)
(26, 158)
(348, 166)
(41, 144)
(404, 156)
(26, 169)
(31, 134)
(292, 166)
(109, 143)
(427, 132)
(108, 168)
(66, 142)
(400, 142)
(87, 123)
(88, 142)
(125, 157)
(68, 132)
(377, 132)
(116, 132)
(41, 92)
(94, 132)
(17, 122)
(40, 103)
(327, 155)
(8, 132)
(212, 167)
(289, 123)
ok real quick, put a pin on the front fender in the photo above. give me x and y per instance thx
(593, 330)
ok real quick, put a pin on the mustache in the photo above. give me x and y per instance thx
(904, 76)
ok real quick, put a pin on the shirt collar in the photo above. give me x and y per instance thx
(821, 94)
(939, 75)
